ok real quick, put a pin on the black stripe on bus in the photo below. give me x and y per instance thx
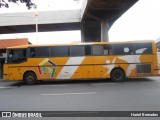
(80, 65)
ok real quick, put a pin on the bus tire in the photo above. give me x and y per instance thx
(118, 75)
(30, 78)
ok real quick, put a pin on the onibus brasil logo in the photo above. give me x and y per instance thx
(47, 68)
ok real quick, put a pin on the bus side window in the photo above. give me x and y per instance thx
(88, 50)
(77, 51)
(10, 56)
(117, 49)
(59, 51)
(107, 50)
(143, 48)
(10, 53)
(32, 52)
(17, 55)
(41, 51)
(97, 50)
(128, 49)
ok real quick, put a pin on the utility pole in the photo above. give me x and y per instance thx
(36, 16)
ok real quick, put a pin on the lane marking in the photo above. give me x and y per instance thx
(104, 84)
(53, 85)
(87, 93)
(157, 81)
(151, 82)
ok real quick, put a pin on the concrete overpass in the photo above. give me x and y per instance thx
(47, 21)
(94, 19)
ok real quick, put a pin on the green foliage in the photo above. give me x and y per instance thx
(29, 4)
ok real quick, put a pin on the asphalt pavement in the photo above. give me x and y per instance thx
(138, 94)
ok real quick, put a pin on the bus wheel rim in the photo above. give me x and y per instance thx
(118, 75)
(30, 78)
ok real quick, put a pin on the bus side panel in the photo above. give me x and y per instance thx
(70, 67)
(145, 66)
(83, 72)
(157, 64)
(99, 67)
(124, 62)
(156, 60)
(47, 68)
(99, 71)
(5, 72)
(129, 64)
(85, 69)
(16, 72)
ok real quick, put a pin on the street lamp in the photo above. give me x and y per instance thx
(36, 16)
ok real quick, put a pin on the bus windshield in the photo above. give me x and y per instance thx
(16, 55)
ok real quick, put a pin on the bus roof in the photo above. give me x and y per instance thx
(80, 43)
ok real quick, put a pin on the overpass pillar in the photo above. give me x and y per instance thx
(90, 31)
(104, 31)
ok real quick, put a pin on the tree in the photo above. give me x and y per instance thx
(29, 4)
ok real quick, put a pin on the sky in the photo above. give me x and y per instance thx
(140, 22)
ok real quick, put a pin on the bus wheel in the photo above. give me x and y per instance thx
(118, 75)
(30, 78)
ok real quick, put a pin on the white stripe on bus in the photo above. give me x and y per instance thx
(68, 71)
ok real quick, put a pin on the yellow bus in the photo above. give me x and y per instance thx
(97, 60)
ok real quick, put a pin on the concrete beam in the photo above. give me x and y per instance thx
(44, 17)
(83, 8)
(41, 28)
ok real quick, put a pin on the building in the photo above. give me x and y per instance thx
(4, 43)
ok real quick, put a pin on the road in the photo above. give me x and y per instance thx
(138, 94)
